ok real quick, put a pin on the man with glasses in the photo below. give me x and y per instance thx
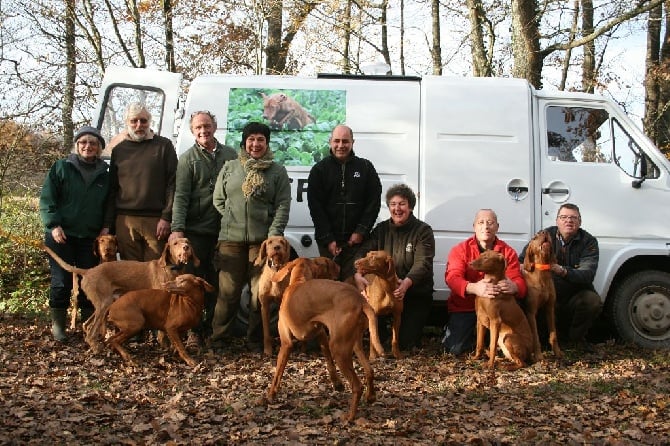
(142, 183)
(193, 213)
(465, 283)
(577, 303)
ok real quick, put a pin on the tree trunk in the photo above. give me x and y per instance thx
(480, 62)
(169, 37)
(589, 49)
(526, 42)
(386, 54)
(274, 62)
(568, 52)
(70, 74)
(436, 50)
(346, 38)
(402, 37)
(651, 80)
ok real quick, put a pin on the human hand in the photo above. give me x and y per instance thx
(507, 286)
(403, 286)
(58, 235)
(482, 289)
(175, 234)
(361, 282)
(162, 229)
(334, 249)
(355, 239)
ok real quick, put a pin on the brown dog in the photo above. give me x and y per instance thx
(541, 292)
(273, 254)
(173, 310)
(378, 269)
(105, 248)
(107, 280)
(309, 306)
(280, 109)
(503, 317)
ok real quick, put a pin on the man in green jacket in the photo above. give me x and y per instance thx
(193, 213)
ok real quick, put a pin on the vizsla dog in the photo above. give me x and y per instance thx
(173, 310)
(280, 109)
(503, 317)
(107, 280)
(378, 269)
(273, 254)
(105, 248)
(311, 307)
(541, 292)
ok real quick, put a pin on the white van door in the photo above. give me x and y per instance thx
(591, 156)
(121, 86)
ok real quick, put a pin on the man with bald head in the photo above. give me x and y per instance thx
(465, 283)
(344, 198)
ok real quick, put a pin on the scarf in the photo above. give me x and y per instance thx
(254, 182)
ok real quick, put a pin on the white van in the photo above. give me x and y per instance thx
(462, 144)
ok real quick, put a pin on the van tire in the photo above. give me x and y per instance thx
(640, 310)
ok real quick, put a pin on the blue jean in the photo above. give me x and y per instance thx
(460, 333)
(77, 252)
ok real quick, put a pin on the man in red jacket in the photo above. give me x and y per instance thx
(465, 283)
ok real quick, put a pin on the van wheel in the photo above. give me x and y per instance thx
(640, 309)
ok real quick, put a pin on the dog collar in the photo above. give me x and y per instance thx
(542, 266)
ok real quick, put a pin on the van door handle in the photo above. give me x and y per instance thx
(517, 189)
(551, 190)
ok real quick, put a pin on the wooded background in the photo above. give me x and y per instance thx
(53, 53)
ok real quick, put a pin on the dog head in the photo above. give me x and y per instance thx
(376, 262)
(105, 248)
(187, 284)
(178, 251)
(273, 109)
(539, 252)
(275, 250)
(490, 262)
(325, 268)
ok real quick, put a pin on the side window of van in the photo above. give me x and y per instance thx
(579, 134)
(117, 98)
(629, 156)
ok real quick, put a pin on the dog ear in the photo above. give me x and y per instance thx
(390, 267)
(164, 259)
(196, 260)
(283, 272)
(262, 255)
(204, 284)
(96, 247)
(527, 264)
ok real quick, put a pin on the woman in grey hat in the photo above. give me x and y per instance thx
(72, 208)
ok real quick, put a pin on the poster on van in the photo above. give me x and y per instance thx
(301, 120)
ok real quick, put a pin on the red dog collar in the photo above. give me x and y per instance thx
(542, 266)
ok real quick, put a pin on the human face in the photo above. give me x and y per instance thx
(568, 221)
(203, 129)
(341, 142)
(138, 127)
(256, 145)
(88, 147)
(399, 209)
(486, 228)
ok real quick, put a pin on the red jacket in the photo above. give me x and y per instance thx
(459, 273)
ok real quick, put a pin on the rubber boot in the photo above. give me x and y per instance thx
(58, 318)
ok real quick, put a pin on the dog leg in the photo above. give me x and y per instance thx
(370, 393)
(282, 357)
(322, 337)
(537, 347)
(341, 349)
(481, 334)
(513, 347)
(395, 334)
(265, 318)
(553, 335)
(494, 333)
(175, 338)
(116, 341)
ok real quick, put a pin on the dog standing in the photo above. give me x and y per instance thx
(280, 109)
(309, 306)
(106, 249)
(103, 282)
(541, 292)
(503, 317)
(273, 254)
(378, 269)
(173, 310)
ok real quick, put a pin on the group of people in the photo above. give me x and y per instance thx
(227, 202)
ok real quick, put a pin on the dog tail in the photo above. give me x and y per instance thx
(372, 324)
(63, 264)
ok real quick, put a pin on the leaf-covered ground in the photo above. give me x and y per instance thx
(55, 394)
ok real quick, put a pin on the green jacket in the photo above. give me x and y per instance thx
(193, 210)
(252, 220)
(69, 201)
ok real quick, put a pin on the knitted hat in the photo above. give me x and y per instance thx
(88, 130)
(253, 128)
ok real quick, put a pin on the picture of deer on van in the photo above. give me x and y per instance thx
(301, 120)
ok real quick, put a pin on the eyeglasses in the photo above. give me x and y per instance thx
(568, 217)
(93, 143)
(140, 120)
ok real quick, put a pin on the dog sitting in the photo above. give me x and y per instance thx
(308, 309)
(273, 254)
(541, 292)
(106, 249)
(173, 310)
(378, 269)
(507, 324)
(280, 109)
(104, 282)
